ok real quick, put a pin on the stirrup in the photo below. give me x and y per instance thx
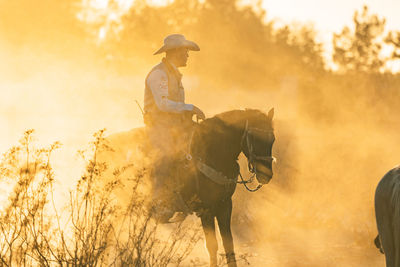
(162, 214)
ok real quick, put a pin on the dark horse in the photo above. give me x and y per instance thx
(209, 175)
(387, 211)
(214, 150)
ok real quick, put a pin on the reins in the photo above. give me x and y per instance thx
(244, 182)
(221, 179)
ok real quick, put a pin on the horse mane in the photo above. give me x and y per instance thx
(235, 118)
(212, 132)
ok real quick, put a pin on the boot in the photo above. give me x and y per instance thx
(177, 217)
(161, 212)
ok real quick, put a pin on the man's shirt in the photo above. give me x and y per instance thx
(159, 82)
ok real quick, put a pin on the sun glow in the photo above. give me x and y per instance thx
(126, 4)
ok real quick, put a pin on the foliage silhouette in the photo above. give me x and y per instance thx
(360, 50)
(93, 231)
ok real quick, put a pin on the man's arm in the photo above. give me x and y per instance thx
(158, 84)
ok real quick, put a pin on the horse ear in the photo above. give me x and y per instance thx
(271, 113)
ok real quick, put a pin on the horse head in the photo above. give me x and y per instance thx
(257, 141)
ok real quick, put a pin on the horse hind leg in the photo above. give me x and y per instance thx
(207, 221)
(224, 222)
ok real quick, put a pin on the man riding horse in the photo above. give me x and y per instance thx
(168, 120)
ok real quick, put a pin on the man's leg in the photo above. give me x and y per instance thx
(166, 186)
(160, 139)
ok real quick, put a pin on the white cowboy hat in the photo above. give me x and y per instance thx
(175, 41)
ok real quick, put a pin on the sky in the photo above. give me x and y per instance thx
(331, 16)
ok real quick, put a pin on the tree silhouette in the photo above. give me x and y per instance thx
(359, 49)
(233, 38)
(393, 39)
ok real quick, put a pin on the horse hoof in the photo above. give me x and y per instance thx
(231, 260)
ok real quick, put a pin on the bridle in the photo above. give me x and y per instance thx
(252, 157)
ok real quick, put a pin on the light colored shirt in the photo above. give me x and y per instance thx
(157, 81)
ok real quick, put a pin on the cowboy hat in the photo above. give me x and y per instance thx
(176, 41)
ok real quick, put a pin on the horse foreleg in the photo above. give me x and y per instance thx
(208, 223)
(224, 223)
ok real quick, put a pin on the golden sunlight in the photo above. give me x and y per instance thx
(78, 72)
(126, 4)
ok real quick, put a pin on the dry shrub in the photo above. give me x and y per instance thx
(93, 229)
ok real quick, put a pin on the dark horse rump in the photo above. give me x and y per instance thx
(387, 211)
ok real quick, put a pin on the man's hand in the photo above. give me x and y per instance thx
(200, 114)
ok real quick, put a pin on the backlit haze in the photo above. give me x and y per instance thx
(68, 76)
(326, 16)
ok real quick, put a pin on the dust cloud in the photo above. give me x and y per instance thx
(332, 146)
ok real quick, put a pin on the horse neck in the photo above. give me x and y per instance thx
(220, 146)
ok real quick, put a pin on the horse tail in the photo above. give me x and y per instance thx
(387, 205)
(396, 217)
